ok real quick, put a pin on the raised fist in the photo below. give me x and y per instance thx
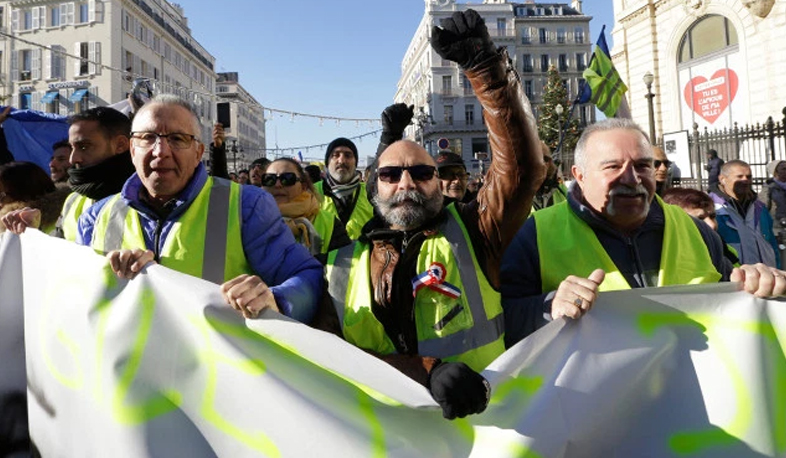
(463, 38)
(395, 118)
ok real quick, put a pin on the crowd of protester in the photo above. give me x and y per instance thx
(446, 271)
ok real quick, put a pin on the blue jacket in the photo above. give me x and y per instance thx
(751, 234)
(294, 276)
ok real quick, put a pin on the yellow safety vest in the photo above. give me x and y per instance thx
(73, 208)
(569, 246)
(323, 224)
(469, 328)
(204, 242)
(361, 214)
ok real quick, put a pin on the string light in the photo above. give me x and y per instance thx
(195, 93)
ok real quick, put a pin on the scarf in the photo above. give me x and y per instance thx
(103, 179)
(298, 215)
(780, 184)
(344, 191)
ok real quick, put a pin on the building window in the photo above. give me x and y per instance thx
(561, 36)
(525, 36)
(449, 115)
(89, 53)
(54, 16)
(469, 114)
(26, 67)
(466, 85)
(84, 15)
(710, 34)
(563, 62)
(56, 63)
(83, 62)
(528, 88)
(544, 62)
(542, 36)
(67, 13)
(578, 35)
(25, 101)
(526, 63)
(447, 85)
(501, 27)
(27, 20)
(580, 62)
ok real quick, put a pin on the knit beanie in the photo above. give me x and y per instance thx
(771, 166)
(341, 141)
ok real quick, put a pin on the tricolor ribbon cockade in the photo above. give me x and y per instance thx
(434, 278)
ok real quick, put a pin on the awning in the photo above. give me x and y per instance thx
(78, 95)
(50, 97)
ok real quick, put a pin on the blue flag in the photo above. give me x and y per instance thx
(603, 85)
(30, 135)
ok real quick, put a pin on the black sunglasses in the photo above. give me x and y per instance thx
(657, 163)
(287, 179)
(392, 174)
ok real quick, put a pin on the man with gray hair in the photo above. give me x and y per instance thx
(612, 233)
(171, 212)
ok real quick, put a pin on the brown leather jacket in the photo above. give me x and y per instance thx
(501, 207)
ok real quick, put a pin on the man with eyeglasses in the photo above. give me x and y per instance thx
(613, 233)
(257, 169)
(662, 166)
(100, 164)
(171, 212)
(343, 190)
(453, 177)
(419, 289)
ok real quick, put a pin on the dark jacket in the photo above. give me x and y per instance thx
(492, 220)
(774, 197)
(713, 168)
(637, 256)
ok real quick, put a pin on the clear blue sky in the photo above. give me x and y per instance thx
(340, 58)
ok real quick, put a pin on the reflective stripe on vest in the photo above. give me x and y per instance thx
(569, 246)
(323, 224)
(212, 222)
(68, 223)
(361, 214)
(477, 341)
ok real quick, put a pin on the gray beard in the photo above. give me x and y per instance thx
(409, 209)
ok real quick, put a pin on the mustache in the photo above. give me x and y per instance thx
(622, 190)
(410, 195)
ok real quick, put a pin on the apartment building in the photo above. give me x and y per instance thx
(536, 36)
(64, 57)
(245, 135)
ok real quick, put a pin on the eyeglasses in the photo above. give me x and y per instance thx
(287, 179)
(392, 174)
(657, 163)
(175, 140)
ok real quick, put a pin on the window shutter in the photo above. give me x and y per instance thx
(71, 8)
(15, 66)
(15, 21)
(91, 10)
(137, 66)
(36, 70)
(63, 14)
(36, 101)
(36, 22)
(77, 62)
(49, 56)
(94, 55)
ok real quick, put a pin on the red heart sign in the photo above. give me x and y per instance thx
(710, 98)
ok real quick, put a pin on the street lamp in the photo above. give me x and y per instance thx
(559, 109)
(234, 155)
(648, 79)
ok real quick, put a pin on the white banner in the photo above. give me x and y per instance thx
(160, 367)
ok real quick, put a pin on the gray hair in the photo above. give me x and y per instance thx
(580, 155)
(176, 100)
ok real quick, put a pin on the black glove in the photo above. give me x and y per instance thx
(395, 119)
(459, 390)
(463, 39)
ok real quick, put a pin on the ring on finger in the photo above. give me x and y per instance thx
(578, 301)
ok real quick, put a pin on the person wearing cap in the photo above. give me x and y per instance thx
(343, 191)
(256, 170)
(453, 177)
(419, 289)
(713, 168)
